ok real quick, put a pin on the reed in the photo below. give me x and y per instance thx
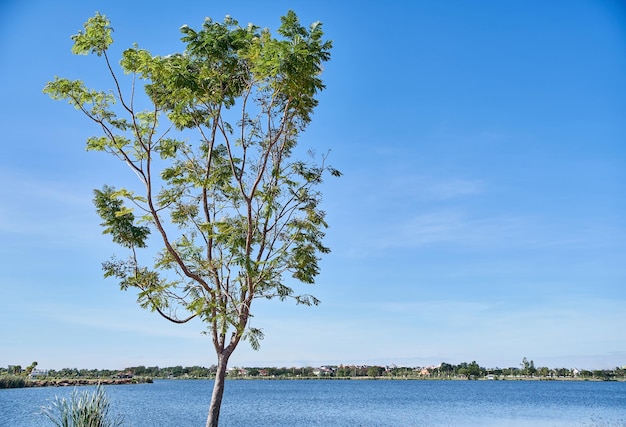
(12, 381)
(83, 410)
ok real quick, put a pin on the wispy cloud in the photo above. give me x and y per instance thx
(43, 209)
(454, 188)
(130, 321)
(404, 189)
(25, 187)
(461, 228)
(495, 333)
(452, 227)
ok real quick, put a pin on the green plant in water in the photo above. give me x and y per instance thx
(83, 410)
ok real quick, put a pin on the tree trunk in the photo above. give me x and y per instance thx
(218, 391)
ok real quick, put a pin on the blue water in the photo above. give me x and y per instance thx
(352, 403)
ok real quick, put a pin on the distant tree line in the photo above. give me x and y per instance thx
(444, 370)
(472, 371)
(140, 371)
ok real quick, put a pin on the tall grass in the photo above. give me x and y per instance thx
(83, 410)
(12, 381)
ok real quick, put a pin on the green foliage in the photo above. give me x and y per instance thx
(29, 369)
(12, 381)
(15, 370)
(375, 371)
(96, 38)
(83, 410)
(236, 214)
(119, 221)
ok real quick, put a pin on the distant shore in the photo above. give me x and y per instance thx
(70, 382)
(73, 382)
(83, 381)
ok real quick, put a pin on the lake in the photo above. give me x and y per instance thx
(184, 403)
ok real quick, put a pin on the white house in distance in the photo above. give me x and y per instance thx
(38, 373)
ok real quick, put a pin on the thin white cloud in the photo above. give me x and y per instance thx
(17, 185)
(461, 229)
(431, 307)
(45, 210)
(494, 333)
(404, 189)
(452, 226)
(455, 188)
(128, 321)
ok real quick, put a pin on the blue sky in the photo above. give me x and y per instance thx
(481, 215)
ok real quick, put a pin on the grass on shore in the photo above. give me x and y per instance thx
(12, 381)
(17, 381)
(84, 409)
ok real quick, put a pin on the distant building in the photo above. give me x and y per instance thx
(323, 370)
(127, 374)
(38, 373)
(238, 371)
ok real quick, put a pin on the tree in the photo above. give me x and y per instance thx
(235, 211)
(528, 367)
(31, 368)
(543, 371)
(446, 368)
(375, 371)
(474, 370)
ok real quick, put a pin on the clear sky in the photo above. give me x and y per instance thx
(481, 215)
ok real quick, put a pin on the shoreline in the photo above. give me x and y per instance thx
(73, 382)
(385, 378)
(67, 382)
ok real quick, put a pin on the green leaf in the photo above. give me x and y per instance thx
(96, 37)
(118, 220)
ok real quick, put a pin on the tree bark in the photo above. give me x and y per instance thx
(218, 391)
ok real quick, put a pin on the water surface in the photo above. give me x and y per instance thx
(184, 403)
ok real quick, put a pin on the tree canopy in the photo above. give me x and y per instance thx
(233, 206)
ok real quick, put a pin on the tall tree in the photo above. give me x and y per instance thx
(31, 368)
(235, 209)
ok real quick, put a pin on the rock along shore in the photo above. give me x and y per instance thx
(69, 382)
